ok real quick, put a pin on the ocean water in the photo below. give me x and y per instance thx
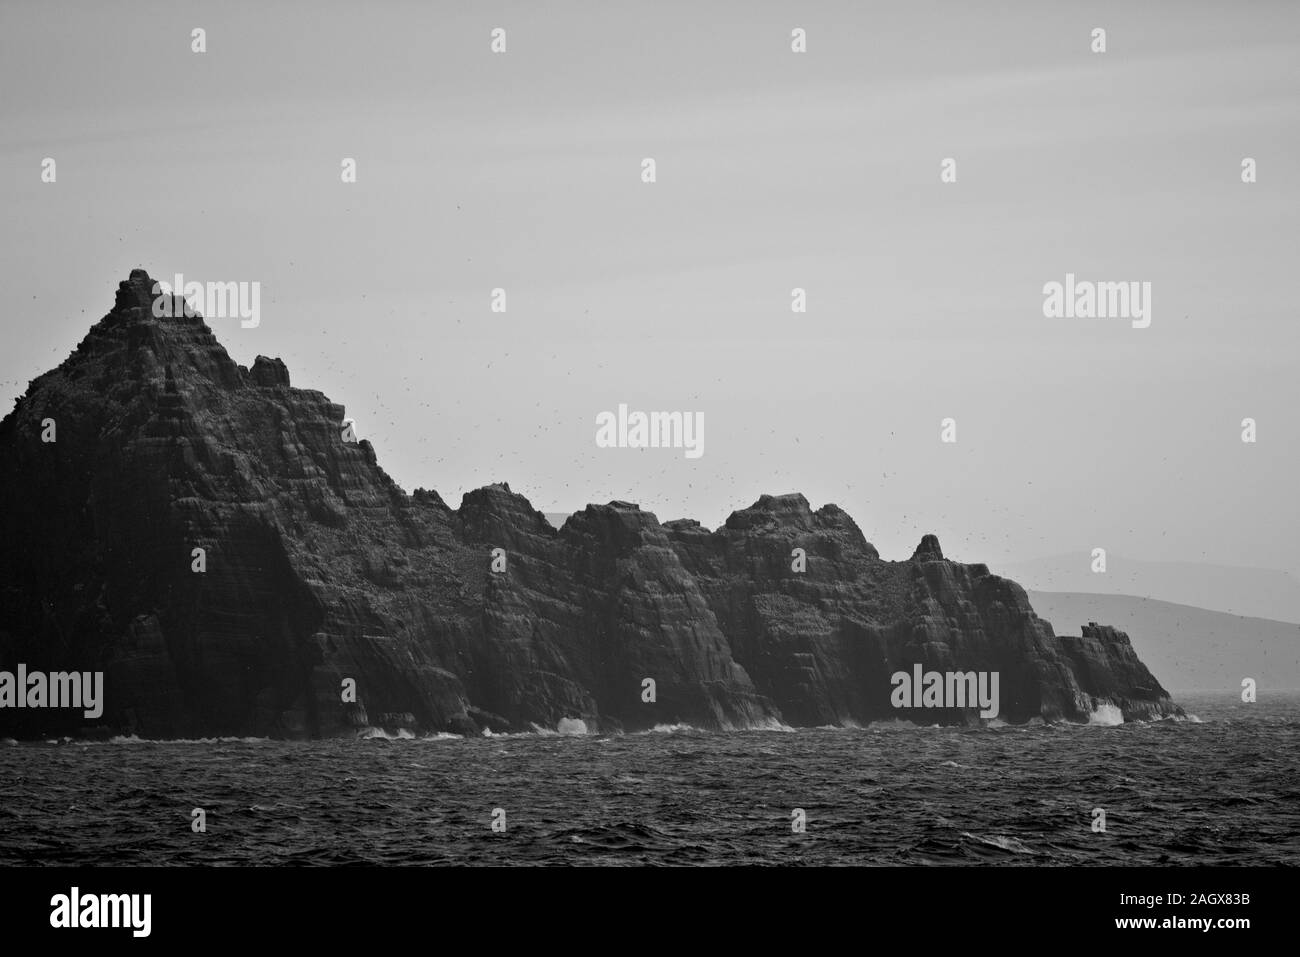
(1224, 789)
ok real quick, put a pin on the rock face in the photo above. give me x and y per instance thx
(317, 571)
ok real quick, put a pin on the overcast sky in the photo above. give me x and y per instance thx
(775, 170)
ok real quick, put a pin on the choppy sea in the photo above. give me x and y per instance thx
(1222, 788)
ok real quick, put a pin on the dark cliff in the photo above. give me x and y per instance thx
(320, 569)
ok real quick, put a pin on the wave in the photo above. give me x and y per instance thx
(898, 724)
(371, 734)
(1002, 843)
(767, 724)
(537, 732)
(1106, 715)
(565, 727)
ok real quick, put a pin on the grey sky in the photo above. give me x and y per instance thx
(775, 170)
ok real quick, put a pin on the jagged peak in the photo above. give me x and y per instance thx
(618, 507)
(269, 373)
(779, 513)
(685, 524)
(492, 508)
(790, 508)
(928, 550)
(135, 291)
(782, 502)
(495, 493)
(428, 496)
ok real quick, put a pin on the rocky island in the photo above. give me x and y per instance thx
(206, 536)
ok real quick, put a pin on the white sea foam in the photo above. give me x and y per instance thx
(537, 732)
(369, 734)
(571, 726)
(899, 724)
(1107, 715)
(768, 724)
(997, 840)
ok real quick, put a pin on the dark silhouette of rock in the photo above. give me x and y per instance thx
(319, 571)
(928, 550)
(269, 373)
